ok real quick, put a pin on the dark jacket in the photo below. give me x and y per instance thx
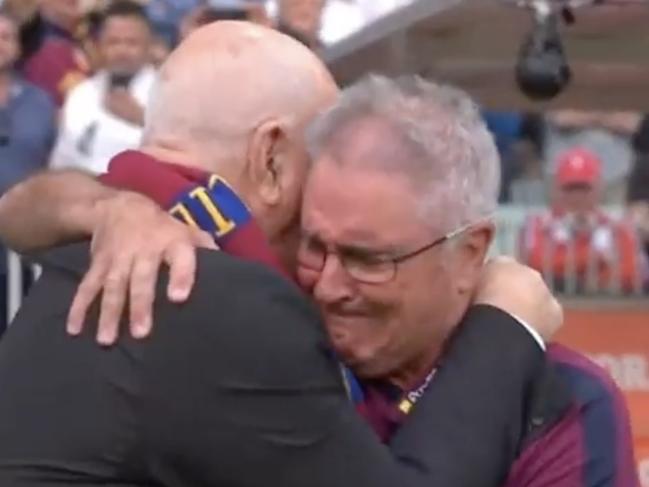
(237, 388)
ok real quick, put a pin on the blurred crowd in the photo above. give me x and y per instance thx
(75, 77)
(579, 165)
(81, 70)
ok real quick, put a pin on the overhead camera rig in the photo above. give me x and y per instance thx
(542, 70)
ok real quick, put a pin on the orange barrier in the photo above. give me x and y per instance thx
(616, 335)
(642, 453)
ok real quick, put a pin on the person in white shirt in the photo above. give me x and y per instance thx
(326, 22)
(343, 18)
(104, 115)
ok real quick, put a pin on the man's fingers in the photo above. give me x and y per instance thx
(142, 294)
(203, 239)
(112, 302)
(181, 259)
(87, 291)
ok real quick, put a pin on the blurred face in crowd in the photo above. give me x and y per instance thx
(579, 199)
(9, 47)
(21, 9)
(159, 51)
(384, 319)
(125, 44)
(577, 183)
(302, 15)
(66, 13)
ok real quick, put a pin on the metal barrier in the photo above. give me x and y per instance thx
(15, 285)
(509, 220)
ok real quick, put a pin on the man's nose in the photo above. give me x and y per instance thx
(333, 284)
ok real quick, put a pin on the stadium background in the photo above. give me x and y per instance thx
(474, 43)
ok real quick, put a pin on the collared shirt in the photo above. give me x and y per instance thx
(589, 446)
(592, 445)
(90, 135)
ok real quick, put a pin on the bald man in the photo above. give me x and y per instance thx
(236, 387)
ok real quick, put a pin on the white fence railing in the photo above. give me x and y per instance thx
(510, 221)
(15, 285)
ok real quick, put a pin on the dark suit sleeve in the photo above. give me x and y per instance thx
(468, 428)
(240, 390)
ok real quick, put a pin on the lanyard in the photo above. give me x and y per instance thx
(404, 404)
(410, 398)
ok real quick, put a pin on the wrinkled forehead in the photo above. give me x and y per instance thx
(370, 142)
(360, 168)
(355, 204)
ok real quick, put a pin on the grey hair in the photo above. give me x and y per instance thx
(449, 153)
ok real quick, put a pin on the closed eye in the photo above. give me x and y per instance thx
(364, 256)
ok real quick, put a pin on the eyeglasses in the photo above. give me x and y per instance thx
(362, 265)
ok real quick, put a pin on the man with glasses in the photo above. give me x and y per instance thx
(236, 388)
(396, 227)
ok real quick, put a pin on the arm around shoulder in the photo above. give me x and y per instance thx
(50, 208)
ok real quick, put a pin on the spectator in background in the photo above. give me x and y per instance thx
(518, 137)
(27, 125)
(529, 186)
(325, 22)
(53, 58)
(576, 245)
(160, 50)
(104, 115)
(301, 19)
(506, 128)
(638, 190)
(213, 12)
(21, 10)
(607, 134)
(166, 16)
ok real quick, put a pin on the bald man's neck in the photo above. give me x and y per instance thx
(173, 155)
(185, 156)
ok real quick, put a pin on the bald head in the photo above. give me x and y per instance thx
(235, 98)
(226, 79)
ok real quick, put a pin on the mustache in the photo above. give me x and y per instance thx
(344, 309)
(352, 309)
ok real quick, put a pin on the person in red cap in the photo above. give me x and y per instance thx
(576, 245)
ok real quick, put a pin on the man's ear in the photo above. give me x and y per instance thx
(472, 251)
(264, 160)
